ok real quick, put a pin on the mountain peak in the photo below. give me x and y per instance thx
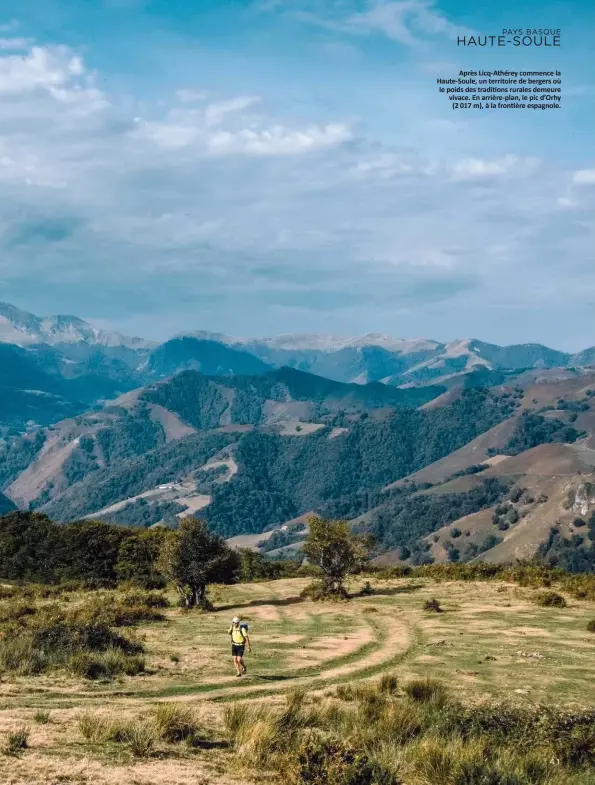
(23, 328)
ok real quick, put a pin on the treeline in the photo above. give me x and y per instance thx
(34, 549)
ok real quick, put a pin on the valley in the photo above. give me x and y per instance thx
(408, 439)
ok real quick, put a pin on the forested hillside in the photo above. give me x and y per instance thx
(278, 476)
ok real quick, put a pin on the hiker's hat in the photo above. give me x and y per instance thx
(235, 620)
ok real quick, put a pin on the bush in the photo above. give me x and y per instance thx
(149, 599)
(433, 606)
(317, 592)
(56, 640)
(331, 762)
(120, 612)
(550, 599)
(591, 626)
(105, 665)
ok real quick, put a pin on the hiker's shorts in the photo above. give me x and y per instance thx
(237, 649)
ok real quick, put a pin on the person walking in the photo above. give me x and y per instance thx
(239, 640)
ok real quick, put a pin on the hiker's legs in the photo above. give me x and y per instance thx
(242, 664)
(237, 661)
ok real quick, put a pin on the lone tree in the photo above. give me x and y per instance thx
(337, 551)
(192, 557)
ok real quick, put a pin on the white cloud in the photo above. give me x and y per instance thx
(215, 113)
(42, 68)
(8, 44)
(584, 177)
(408, 22)
(507, 166)
(204, 132)
(278, 140)
(234, 221)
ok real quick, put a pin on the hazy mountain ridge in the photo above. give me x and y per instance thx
(22, 328)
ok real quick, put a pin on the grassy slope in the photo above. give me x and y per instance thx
(476, 648)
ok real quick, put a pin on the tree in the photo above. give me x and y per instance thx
(137, 559)
(336, 550)
(192, 557)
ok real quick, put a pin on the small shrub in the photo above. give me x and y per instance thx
(366, 590)
(550, 599)
(426, 691)
(317, 592)
(433, 606)
(591, 626)
(370, 609)
(116, 614)
(331, 762)
(150, 599)
(17, 741)
(42, 717)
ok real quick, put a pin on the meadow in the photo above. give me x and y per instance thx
(160, 702)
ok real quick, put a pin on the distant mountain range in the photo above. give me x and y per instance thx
(22, 328)
(57, 366)
(444, 451)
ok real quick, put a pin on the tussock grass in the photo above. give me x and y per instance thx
(17, 740)
(591, 625)
(426, 691)
(433, 606)
(175, 723)
(374, 736)
(140, 738)
(42, 717)
(94, 727)
(388, 684)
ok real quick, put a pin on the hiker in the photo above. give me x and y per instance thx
(239, 638)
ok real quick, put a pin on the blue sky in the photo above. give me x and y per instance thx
(265, 167)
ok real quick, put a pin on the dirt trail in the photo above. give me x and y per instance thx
(379, 652)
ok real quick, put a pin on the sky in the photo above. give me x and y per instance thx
(258, 167)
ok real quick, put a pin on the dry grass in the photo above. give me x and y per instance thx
(380, 709)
